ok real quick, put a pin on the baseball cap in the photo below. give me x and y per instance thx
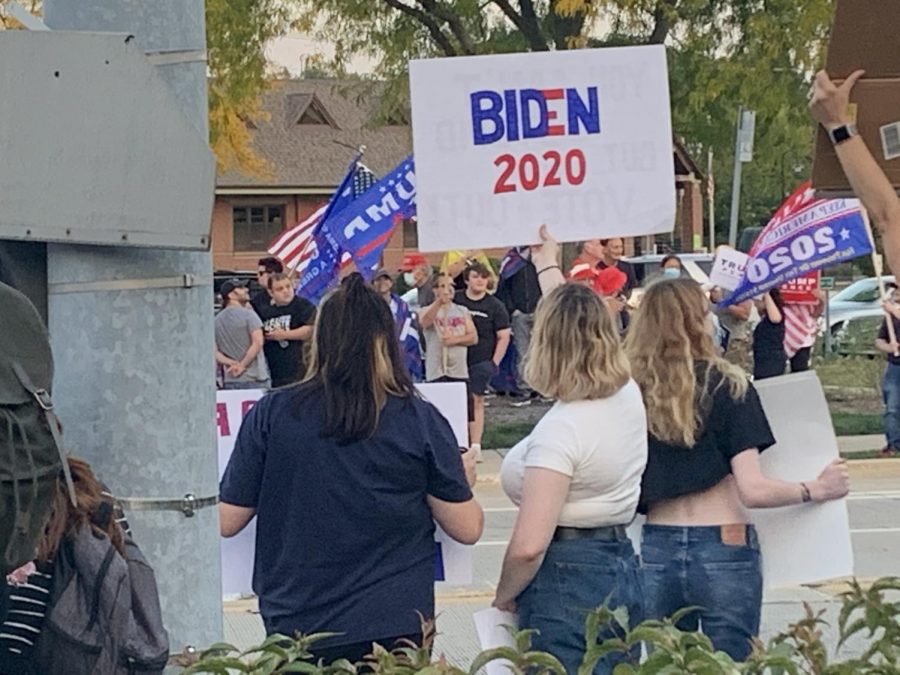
(229, 285)
(583, 272)
(383, 272)
(412, 261)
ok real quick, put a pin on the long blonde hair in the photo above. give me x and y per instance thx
(575, 352)
(673, 358)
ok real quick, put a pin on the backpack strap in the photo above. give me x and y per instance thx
(42, 398)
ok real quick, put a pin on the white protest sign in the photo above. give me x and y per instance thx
(728, 268)
(237, 551)
(580, 140)
(805, 543)
(491, 627)
(454, 564)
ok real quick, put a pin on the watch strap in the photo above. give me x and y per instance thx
(842, 133)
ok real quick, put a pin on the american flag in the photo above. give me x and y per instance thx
(296, 246)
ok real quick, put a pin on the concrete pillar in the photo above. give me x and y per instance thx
(134, 379)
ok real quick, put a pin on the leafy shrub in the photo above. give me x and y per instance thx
(866, 613)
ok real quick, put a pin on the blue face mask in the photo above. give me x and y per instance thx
(671, 272)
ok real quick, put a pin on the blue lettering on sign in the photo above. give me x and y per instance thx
(525, 113)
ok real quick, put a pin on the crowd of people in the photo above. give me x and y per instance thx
(653, 413)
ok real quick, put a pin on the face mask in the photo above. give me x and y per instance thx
(409, 279)
(671, 272)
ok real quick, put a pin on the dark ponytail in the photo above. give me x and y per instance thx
(356, 360)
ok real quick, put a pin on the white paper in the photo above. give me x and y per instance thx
(490, 626)
(728, 268)
(615, 178)
(238, 552)
(806, 543)
(450, 399)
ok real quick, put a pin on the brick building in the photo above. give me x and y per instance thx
(309, 136)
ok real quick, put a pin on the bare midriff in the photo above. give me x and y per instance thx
(718, 505)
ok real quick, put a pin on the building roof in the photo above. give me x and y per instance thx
(684, 163)
(309, 126)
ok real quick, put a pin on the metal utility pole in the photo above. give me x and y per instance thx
(132, 334)
(743, 152)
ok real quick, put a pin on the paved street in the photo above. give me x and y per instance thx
(874, 521)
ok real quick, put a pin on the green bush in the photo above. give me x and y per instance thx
(866, 613)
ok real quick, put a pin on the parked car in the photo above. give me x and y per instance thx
(697, 265)
(854, 317)
(859, 299)
(855, 336)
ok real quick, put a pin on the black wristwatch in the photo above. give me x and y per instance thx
(842, 133)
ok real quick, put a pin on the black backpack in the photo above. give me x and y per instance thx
(103, 615)
(30, 448)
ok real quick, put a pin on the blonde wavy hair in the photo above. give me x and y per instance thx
(575, 352)
(673, 357)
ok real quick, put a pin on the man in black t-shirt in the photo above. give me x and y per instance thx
(890, 386)
(492, 324)
(287, 323)
(264, 268)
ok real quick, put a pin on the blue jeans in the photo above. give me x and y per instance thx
(575, 578)
(890, 390)
(692, 567)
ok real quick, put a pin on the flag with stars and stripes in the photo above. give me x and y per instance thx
(805, 235)
(296, 247)
(365, 226)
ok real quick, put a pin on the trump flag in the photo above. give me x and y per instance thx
(804, 235)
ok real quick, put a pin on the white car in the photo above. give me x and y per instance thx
(860, 299)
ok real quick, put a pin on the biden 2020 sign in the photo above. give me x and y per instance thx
(580, 140)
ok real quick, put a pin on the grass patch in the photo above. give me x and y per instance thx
(856, 424)
(854, 372)
(505, 435)
(498, 436)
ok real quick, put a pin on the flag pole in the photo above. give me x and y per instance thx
(360, 151)
(878, 266)
(710, 182)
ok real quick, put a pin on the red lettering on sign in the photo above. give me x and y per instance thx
(245, 407)
(222, 419)
(554, 129)
(533, 174)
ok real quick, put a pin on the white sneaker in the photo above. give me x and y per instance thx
(476, 448)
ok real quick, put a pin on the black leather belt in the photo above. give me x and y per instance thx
(607, 533)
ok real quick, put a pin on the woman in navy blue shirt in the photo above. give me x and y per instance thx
(346, 473)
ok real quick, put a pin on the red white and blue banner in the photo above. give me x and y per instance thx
(805, 235)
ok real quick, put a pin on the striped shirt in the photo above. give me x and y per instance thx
(28, 603)
(27, 609)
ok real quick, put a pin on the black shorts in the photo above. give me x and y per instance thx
(470, 402)
(480, 376)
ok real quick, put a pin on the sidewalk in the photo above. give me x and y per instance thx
(850, 444)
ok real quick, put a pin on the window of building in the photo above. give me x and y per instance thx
(256, 226)
(410, 235)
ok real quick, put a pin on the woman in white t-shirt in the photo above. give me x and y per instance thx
(576, 480)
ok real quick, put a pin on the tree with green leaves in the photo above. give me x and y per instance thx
(722, 54)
